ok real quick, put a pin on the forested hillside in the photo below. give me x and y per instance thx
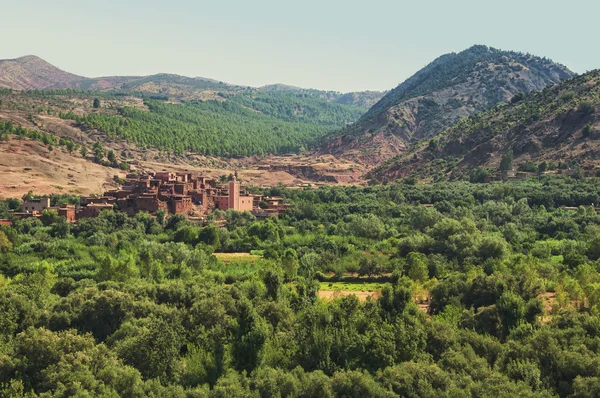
(231, 124)
(557, 126)
(487, 290)
(238, 125)
(452, 87)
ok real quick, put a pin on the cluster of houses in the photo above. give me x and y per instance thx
(173, 193)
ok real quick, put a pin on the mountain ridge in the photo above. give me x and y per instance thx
(450, 88)
(557, 125)
(31, 72)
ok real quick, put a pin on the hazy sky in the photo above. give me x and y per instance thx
(326, 44)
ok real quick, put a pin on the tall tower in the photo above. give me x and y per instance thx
(234, 194)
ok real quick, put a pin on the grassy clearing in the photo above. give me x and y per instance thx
(352, 286)
(237, 258)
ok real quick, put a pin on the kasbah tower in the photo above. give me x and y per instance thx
(234, 194)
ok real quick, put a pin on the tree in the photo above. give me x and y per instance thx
(160, 217)
(586, 108)
(511, 308)
(289, 262)
(416, 267)
(273, 280)
(5, 244)
(506, 163)
(96, 103)
(98, 152)
(478, 175)
(250, 337)
(209, 235)
(111, 157)
(369, 266)
(517, 98)
(433, 144)
(50, 216)
(186, 234)
(83, 151)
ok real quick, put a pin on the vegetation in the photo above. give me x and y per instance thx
(234, 123)
(513, 128)
(243, 124)
(451, 69)
(8, 129)
(118, 306)
(440, 95)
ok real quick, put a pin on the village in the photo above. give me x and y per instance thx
(172, 193)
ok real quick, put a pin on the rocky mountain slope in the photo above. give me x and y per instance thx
(33, 73)
(452, 87)
(558, 125)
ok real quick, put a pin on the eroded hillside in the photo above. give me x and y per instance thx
(449, 89)
(560, 124)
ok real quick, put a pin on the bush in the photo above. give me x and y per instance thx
(587, 131)
(528, 167)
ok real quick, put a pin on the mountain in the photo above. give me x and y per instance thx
(364, 99)
(452, 87)
(33, 73)
(559, 125)
(162, 84)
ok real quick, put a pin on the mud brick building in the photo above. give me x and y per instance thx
(174, 193)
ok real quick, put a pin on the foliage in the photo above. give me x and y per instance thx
(243, 124)
(120, 306)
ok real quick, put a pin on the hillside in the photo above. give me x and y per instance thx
(233, 125)
(33, 73)
(363, 99)
(452, 87)
(43, 152)
(556, 127)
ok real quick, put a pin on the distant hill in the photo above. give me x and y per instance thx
(559, 125)
(452, 87)
(164, 84)
(33, 73)
(363, 99)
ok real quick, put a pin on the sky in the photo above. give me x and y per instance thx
(327, 44)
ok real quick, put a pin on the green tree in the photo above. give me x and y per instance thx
(506, 163)
(112, 158)
(511, 308)
(96, 103)
(5, 244)
(586, 108)
(416, 267)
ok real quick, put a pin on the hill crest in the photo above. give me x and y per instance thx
(450, 88)
(33, 73)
